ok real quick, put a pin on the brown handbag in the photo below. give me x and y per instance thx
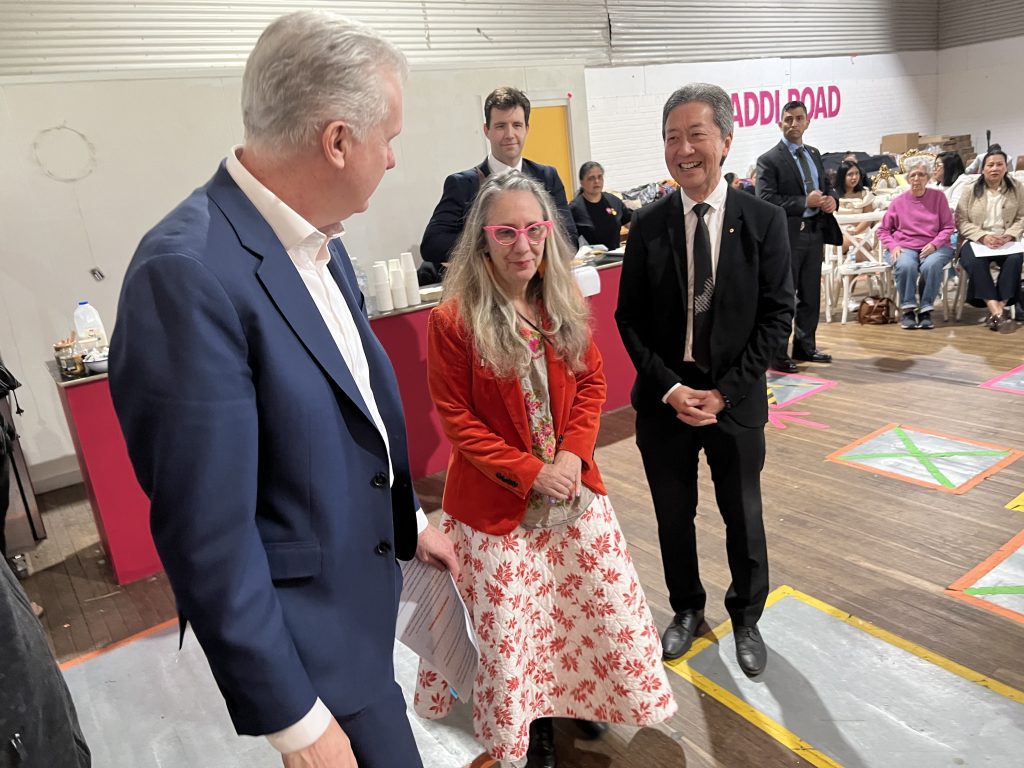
(876, 310)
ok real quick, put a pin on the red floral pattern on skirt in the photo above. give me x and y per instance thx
(563, 627)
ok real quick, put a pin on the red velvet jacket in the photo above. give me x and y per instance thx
(492, 467)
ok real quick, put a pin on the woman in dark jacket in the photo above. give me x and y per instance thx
(599, 216)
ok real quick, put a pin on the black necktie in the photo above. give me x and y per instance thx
(703, 289)
(805, 166)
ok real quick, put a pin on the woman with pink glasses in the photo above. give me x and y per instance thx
(562, 623)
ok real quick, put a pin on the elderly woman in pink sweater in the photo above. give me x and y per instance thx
(915, 235)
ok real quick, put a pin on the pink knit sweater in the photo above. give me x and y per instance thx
(913, 222)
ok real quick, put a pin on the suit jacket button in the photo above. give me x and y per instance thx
(379, 480)
(383, 548)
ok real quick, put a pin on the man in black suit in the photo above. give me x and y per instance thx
(791, 175)
(705, 300)
(506, 123)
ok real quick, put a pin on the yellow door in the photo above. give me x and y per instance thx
(548, 143)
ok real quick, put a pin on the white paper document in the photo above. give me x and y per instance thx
(433, 623)
(983, 251)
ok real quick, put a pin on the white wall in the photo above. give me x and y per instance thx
(148, 143)
(884, 93)
(981, 90)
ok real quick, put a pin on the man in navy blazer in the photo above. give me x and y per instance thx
(506, 123)
(262, 416)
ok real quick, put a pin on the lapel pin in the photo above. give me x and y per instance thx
(731, 230)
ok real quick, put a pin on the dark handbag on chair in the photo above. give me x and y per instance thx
(7, 385)
(876, 310)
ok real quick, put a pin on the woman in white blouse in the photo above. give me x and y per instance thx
(854, 197)
(992, 214)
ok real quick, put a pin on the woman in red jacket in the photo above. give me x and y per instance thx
(562, 623)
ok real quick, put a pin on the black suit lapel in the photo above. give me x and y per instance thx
(730, 253)
(790, 162)
(677, 241)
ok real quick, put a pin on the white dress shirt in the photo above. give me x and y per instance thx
(498, 168)
(714, 218)
(307, 248)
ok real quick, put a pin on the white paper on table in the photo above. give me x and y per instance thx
(984, 252)
(434, 624)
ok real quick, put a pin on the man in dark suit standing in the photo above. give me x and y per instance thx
(791, 175)
(262, 416)
(705, 299)
(506, 124)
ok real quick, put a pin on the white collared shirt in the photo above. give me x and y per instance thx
(307, 248)
(498, 168)
(714, 218)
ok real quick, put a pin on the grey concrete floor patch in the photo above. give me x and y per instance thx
(864, 702)
(145, 705)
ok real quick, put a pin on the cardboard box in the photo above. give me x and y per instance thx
(898, 143)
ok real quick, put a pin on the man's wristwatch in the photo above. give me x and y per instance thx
(726, 400)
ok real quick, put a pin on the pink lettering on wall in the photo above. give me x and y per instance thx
(752, 108)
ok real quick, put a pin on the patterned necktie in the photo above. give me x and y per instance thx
(703, 290)
(805, 166)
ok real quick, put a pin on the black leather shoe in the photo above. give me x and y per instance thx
(750, 651)
(784, 365)
(679, 636)
(541, 752)
(814, 356)
(591, 729)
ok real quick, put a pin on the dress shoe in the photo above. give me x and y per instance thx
(750, 651)
(679, 636)
(784, 365)
(541, 752)
(814, 356)
(591, 729)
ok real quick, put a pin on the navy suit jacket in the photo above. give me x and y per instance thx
(752, 306)
(779, 182)
(460, 190)
(268, 481)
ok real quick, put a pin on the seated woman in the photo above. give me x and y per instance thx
(915, 235)
(599, 216)
(854, 197)
(948, 168)
(992, 213)
(563, 625)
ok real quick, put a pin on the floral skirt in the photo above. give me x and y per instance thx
(563, 628)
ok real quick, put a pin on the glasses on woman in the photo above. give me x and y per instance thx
(536, 233)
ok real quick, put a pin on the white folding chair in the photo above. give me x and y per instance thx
(862, 259)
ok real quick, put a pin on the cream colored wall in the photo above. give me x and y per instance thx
(149, 143)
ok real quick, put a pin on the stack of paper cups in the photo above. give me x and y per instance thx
(398, 297)
(412, 284)
(382, 287)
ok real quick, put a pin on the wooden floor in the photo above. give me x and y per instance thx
(881, 549)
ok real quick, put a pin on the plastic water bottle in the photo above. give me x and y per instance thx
(364, 287)
(89, 328)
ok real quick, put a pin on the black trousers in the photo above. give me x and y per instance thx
(1006, 287)
(669, 450)
(806, 255)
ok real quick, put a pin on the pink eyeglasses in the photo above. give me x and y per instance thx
(536, 233)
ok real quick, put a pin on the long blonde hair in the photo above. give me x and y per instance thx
(488, 313)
